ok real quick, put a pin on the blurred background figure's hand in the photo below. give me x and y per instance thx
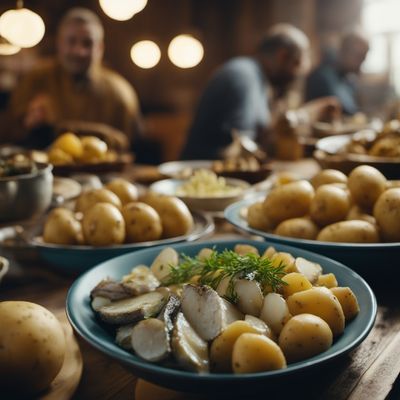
(39, 112)
(324, 109)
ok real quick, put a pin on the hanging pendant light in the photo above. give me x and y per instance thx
(21, 26)
(122, 10)
(185, 51)
(8, 49)
(145, 54)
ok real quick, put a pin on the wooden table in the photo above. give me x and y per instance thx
(369, 372)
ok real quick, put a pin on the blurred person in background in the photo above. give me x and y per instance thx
(238, 96)
(74, 91)
(335, 76)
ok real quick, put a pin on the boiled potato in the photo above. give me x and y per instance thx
(142, 223)
(222, 346)
(327, 280)
(257, 219)
(309, 269)
(32, 347)
(126, 191)
(59, 157)
(175, 216)
(269, 252)
(288, 201)
(304, 336)
(302, 228)
(275, 312)
(61, 227)
(366, 184)
(256, 353)
(249, 296)
(161, 266)
(295, 282)
(330, 204)
(260, 326)
(103, 225)
(349, 232)
(244, 249)
(93, 149)
(327, 176)
(319, 301)
(387, 215)
(282, 259)
(357, 212)
(348, 301)
(90, 197)
(69, 143)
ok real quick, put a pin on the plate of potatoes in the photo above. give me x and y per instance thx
(354, 219)
(112, 220)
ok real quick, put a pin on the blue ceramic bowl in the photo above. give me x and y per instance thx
(75, 259)
(367, 259)
(85, 323)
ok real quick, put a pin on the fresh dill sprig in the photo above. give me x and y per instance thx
(227, 264)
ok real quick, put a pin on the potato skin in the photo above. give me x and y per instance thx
(175, 217)
(103, 225)
(327, 176)
(256, 353)
(126, 191)
(354, 231)
(257, 219)
(222, 346)
(142, 223)
(91, 197)
(304, 336)
(295, 282)
(347, 300)
(330, 204)
(301, 228)
(366, 184)
(387, 214)
(33, 347)
(61, 227)
(319, 301)
(288, 201)
(356, 212)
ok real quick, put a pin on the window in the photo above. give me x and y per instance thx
(380, 18)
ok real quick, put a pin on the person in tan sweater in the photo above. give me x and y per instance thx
(75, 91)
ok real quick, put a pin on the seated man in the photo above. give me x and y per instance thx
(74, 87)
(333, 77)
(237, 96)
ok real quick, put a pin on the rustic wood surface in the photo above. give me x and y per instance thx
(371, 371)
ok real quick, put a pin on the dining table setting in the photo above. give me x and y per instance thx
(199, 279)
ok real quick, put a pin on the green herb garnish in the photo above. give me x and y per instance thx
(227, 264)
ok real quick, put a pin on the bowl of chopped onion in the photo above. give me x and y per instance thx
(204, 191)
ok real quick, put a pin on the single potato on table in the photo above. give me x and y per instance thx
(32, 348)
(103, 225)
(142, 222)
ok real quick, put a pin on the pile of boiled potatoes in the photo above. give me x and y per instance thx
(363, 207)
(114, 215)
(69, 149)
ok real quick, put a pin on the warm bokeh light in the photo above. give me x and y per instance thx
(145, 54)
(185, 51)
(122, 10)
(8, 49)
(22, 27)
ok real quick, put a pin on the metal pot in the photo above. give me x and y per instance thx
(25, 196)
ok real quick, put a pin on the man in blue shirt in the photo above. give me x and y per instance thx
(237, 95)
(334, 76)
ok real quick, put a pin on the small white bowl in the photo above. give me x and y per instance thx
(170, 187)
